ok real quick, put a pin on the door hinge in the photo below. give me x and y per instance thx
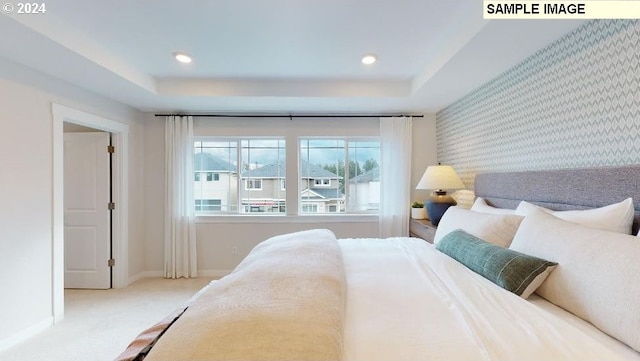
(111, 262)
(111, 206)
(111, 149)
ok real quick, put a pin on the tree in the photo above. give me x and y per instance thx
(370, 164)
(354, 170)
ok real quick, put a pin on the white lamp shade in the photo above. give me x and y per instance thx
(440, 177)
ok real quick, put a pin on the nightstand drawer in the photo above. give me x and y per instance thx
(422, 228)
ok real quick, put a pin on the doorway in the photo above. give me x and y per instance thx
(120, 136)
(87, 207)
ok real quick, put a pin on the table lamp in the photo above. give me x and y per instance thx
(439, 178)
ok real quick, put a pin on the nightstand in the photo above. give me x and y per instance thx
(422, 228)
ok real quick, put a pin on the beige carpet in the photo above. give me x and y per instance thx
(99, 324)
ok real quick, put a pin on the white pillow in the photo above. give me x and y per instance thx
(498, 229)
(480, 205)
(597, 274)
(616, 217)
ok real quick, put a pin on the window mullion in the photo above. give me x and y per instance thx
(293, 177)
(346, 175)
(239, 177)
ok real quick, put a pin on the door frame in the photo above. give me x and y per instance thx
(120, 187)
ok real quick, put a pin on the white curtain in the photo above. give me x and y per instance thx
(395, 178)
(179, 222)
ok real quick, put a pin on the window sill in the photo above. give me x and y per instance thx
(328, 218)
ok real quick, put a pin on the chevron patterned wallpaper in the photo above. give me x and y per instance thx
(575, 103)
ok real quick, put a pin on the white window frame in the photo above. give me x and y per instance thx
(216, 129)
(241, 183)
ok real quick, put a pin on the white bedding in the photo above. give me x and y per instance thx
(446, 312)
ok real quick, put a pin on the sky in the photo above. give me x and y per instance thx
(270, 151)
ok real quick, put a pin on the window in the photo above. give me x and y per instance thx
(219, 156)
(204, 205)
(309, 208)
(243, 174)
(322, 182)
(340, 175)
(253, 184)
(248, 175)
(213, 177)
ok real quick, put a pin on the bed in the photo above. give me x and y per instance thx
(311, 296)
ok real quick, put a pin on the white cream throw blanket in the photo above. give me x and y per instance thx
(285, 301)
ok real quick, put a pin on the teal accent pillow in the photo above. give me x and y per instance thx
(514, 271)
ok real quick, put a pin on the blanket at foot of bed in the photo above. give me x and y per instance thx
(285, 301)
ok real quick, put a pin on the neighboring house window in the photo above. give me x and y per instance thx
(322, 182)
(341, 175)
(309, 208)
(237, 172)
(197, 177)
(206, 205)
(283, 184)
(253, 184)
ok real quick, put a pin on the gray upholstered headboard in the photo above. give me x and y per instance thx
(563, 189)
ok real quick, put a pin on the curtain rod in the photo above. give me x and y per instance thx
(291, 116)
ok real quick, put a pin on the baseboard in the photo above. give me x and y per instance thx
(216, 273)
(25, 334)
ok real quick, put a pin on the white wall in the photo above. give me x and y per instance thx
(153, 194)
(26, 191)
(424, 149)
(218, 236)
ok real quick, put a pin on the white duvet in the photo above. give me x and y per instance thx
(407, 301)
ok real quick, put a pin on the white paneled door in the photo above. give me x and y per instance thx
(87, 244)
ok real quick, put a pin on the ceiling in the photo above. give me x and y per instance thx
(275, 56)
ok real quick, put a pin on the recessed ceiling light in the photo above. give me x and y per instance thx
(369, 59)
(182, 57)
